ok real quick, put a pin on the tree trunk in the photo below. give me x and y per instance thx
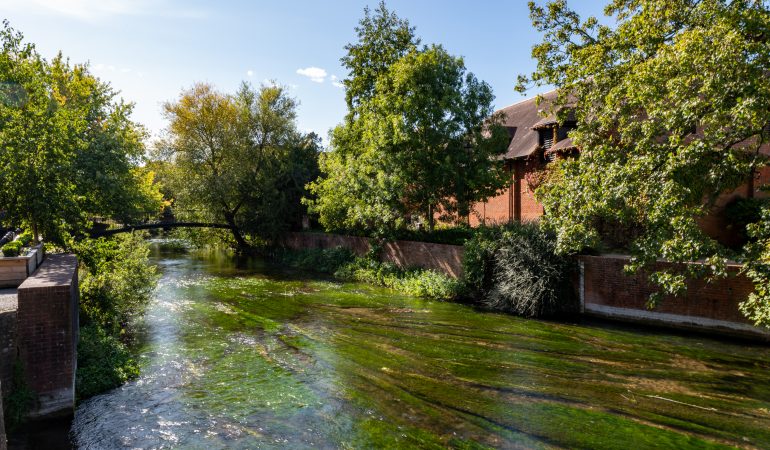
(35, 237)
(430, 219)
(230, 219)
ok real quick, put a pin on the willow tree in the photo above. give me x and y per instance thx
(673, 103)
(238, 159)
(418, 137)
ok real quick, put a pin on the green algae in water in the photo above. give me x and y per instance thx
(279, 359)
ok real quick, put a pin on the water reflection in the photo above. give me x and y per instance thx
(239, 355)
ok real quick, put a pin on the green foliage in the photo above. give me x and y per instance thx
(346, 266)
(19, 401)
(412, 281)
(639, 90)
(515, 268)
(757, 268)
(326, 260)
(116, 281)
(68, 149)
(12, 248)
(530, 278)
(25, 238)
(238, 159)
(104, 362)
(743, 212)
(418, 139)
(479, 258)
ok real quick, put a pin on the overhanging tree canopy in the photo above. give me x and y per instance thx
(673, 103)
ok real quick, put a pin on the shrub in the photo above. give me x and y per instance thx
(325, 260)
(104, 362)
(346, 266)
(414, 281)
(12, 248)
(479, 258)
(25, 238)
(19, 401)
(116, 282)
(514, 268)
(530, 279)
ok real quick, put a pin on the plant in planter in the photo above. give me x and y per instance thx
(25, 238)
(12, 248)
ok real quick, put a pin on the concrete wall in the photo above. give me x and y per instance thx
(47, 324)
(440, 257)
(605, 290)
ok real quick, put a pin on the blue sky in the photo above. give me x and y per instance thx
(150, 50)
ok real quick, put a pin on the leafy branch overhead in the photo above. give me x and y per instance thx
(673, 105)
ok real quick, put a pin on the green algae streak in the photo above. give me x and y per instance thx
(249, 356)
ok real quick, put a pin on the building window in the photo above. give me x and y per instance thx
(546, 138)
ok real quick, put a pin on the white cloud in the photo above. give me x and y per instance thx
(315, 74)
(90, 10)
(338, 84)
(249, 73)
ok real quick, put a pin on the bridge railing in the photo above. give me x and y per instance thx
(168, 215)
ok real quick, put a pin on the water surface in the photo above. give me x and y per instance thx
(244, 356)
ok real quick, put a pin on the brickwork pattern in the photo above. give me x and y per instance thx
(439, 257)
(47, 332)
(606, 284)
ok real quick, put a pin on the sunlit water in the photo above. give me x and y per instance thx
(250, 357)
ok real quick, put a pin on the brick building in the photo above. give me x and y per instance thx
(535, 140)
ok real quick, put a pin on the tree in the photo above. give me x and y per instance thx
(68, 149)
(672, 104)
(418, 138)
(239, 159)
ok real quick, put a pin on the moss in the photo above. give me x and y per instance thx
(278, 354)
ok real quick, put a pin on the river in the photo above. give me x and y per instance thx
(237, 354)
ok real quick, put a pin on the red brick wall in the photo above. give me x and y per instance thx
(514, 203)
(440, 257)
(604, 284)
(47, 327)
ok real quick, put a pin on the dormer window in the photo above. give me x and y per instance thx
(546, 138)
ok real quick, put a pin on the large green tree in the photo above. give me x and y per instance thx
(418, 138)
(239, 159)
(673, 102)
(68, 149)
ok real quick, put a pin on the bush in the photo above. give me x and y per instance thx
(25, 238)
(414, 281)
(19, 401)
(346, 266)
(116, 280)
(116, 283)
(12, 248)
(324, 260)
(515, 268)
(479, 258)
(104, 362)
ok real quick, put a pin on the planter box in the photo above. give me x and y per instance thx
(14, 270)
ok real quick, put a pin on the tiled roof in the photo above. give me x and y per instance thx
(562, 145)
(519, 120)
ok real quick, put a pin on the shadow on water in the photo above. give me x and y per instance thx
(240, 354)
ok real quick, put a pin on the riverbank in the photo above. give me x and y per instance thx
(238, 353)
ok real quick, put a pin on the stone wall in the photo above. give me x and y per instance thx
(439, 257)
(605, 290)
(47, 321)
